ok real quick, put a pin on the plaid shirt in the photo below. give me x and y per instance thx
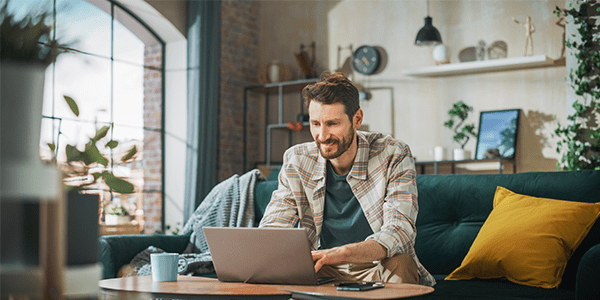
(383, 179)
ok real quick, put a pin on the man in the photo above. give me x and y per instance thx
(354, 192)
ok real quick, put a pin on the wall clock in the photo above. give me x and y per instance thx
(366, 60)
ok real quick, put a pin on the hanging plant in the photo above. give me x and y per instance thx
(579, 140)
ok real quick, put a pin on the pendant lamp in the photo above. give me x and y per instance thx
(428, 35)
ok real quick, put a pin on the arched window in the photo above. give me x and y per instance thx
(114, 70)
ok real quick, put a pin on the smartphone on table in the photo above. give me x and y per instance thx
(358, 286)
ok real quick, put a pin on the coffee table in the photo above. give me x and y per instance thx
(193, 287)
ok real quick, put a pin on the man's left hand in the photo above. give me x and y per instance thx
(331, 256)
(365, 251)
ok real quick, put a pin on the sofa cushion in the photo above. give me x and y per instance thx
(527, 239)
(452, 209)
(262, 195)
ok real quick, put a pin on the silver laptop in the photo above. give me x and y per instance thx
(262, 255)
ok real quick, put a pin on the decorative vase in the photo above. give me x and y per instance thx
(438, 153)
(441, 54)
(31, 191)
(82, 223)
(23, 174)
(116, 219)
(274, 71)
(459, 154)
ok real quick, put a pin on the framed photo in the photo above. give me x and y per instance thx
(497, 134)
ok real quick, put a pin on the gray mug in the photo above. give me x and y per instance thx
(164, 266)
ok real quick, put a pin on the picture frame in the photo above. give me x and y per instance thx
(497, 135)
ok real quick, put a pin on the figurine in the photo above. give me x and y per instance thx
(529, 29)
(480, 50)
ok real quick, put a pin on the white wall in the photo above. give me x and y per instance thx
(420, 105)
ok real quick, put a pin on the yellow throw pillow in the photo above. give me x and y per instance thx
(527, 239)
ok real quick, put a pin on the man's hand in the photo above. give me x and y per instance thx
(362, 252)
(331, 256)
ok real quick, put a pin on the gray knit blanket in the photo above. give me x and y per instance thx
(229, 204)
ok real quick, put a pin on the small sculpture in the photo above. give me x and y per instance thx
(480, 50)
(529, 29)
(497, 49)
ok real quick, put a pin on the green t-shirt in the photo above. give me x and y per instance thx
(344, 221)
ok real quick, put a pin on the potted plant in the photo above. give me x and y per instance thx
(27, 48)
(579, 139)
(90, 164)
(89, 167)
(462, 132)
(116, 214)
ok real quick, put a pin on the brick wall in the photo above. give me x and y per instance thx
(152, 149)
(239, 68)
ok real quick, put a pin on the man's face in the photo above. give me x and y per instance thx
(331, 128)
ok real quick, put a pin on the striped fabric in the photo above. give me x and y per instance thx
(383, 179)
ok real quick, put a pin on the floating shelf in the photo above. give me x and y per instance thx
(493, 65)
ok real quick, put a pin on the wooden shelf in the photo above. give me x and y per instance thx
(469, 164)
(493, 65)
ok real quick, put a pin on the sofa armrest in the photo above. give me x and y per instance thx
(118, 250)
(588, 275)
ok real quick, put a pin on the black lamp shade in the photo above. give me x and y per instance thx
(428, 35)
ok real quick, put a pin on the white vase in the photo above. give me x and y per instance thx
(441, 54)
(23, 174)
(438, 153)
(115, 219)
(274, 71)
(459, 154)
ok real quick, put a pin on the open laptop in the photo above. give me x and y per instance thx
(262, 255)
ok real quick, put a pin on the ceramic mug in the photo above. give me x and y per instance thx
(164, 266)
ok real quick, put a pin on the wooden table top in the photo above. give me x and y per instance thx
(201, 286)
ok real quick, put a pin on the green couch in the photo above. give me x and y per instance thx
(452, 210)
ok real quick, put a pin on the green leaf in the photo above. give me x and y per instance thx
(117, 184)
(112, 144)
(72, 105)
(72, 153)
(52, 147)
(129, 154)
(101, 133)
(96, 175)
(92, 152)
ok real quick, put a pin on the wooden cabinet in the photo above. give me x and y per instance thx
(471, 165)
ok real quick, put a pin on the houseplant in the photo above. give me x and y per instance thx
(84, 164)
(88, 167)
(115, 214)
(67, 228)
(579, 139)
(462, 132)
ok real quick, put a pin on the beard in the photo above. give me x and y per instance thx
(342, 145)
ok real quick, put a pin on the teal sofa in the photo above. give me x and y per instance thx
(452, 210)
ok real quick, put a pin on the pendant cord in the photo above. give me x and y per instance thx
(428, 8)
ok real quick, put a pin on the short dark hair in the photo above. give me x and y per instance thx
(333, 88)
